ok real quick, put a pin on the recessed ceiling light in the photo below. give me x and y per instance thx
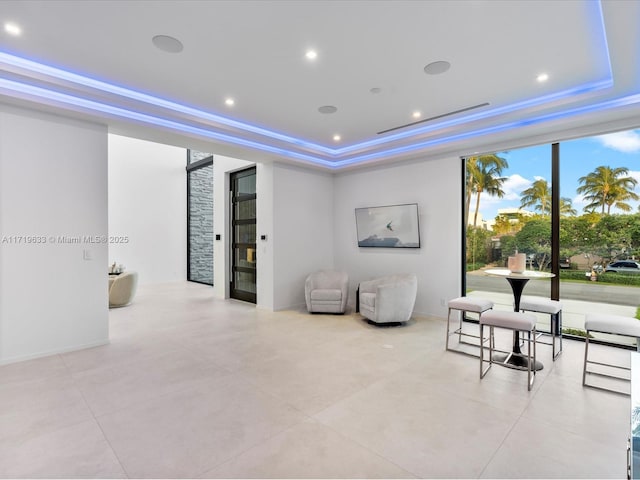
(543, 77)
(230, 102)
(167, 44)
(12, 29)
(311, 54)
(337, 138)
(327, 109)
(416, 114)
(436, 68)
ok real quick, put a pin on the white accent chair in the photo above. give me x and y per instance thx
(326, 291)
(388, 299)
(122, 289)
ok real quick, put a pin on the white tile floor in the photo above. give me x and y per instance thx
(196, 387)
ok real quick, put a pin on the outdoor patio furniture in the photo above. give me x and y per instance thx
(463, 305)
(612, 325)
(518, 322)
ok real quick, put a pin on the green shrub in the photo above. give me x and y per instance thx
(575, 332)
(619, 278)
(475, 266)
(574, 275)
(608, 277)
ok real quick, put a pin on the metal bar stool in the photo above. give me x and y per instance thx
(516, 321)
(465, 304)
(530, 303)
(613, 325)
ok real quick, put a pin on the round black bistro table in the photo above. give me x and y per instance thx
(517, 281)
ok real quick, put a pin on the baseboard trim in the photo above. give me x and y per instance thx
(48, 353)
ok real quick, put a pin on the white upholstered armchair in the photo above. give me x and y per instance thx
(389, 299)
(326, 291)
(122, 289)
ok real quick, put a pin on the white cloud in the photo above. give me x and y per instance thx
(578, 202)
(514, 185)
(626, 142)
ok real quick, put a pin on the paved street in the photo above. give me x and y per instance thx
(578, 299)
(592, 291)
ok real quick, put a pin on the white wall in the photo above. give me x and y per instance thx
(53, 183)
(294, 211)
(148, 209)
(303, 231)
(309, 220)
(265, 226)
(435, 186)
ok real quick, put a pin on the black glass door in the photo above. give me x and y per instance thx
(243, 227)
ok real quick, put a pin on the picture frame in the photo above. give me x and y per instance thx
(391, 226)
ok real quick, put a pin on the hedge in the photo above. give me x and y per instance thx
(607, 277)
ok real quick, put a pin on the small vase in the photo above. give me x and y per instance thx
(517, 263)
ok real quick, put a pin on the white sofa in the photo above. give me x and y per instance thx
(388, 299)
(326, 291)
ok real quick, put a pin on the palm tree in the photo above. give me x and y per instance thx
(471, 167)
(566, 207)
(483, 175)
(617, 197)
(538, 196)
(606, 187)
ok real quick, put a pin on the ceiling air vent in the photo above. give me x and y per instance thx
(434, 118)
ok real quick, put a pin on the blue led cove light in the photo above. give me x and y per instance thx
(149, 119)
(333, 152)
(615, 103)
(91, 105)
(85, 81)
(596, 22)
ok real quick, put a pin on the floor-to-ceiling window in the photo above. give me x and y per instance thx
(588, 234)
(508, 211)
(200, 217)
(600, 225)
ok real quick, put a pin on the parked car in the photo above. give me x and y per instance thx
(623, 266)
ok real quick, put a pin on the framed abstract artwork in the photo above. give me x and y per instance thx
(393, 226)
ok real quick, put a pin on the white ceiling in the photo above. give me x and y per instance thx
(254, 52)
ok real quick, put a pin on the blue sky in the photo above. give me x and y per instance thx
(577, 158)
